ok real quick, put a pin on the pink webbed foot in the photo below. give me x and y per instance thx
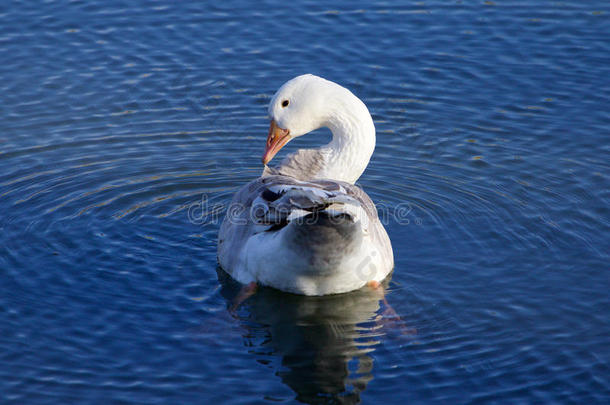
(246, 292)
(389, 318)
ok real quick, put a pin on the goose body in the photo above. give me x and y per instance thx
(304, 227)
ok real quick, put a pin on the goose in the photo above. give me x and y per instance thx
(304, 227)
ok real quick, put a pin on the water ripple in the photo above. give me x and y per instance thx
(127, 128)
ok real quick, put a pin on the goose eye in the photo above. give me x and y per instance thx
(285, 103)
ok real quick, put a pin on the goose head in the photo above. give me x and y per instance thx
(309, 102)
(296, 109)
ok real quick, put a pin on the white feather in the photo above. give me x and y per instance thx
(267, 243)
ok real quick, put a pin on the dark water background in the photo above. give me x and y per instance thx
(126, 127)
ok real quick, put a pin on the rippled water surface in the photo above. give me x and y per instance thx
(126, 127)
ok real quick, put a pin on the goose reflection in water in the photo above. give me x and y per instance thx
(324, 343)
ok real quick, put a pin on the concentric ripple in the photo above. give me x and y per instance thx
(126, 129)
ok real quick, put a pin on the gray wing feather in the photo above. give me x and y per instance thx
(269, 201)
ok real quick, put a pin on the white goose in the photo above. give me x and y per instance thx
(304, 227)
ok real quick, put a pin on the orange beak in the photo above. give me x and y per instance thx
(277, 138)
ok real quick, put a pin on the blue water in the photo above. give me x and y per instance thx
(127, 126)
